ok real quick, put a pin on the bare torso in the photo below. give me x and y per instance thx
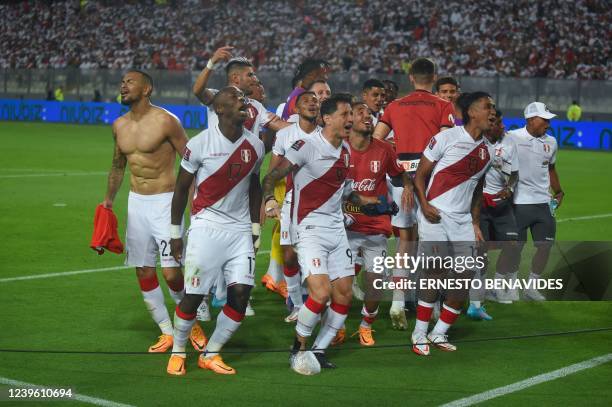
(150, 155)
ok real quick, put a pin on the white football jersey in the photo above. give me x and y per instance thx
(535, 154)
(285, 138)
(320, 182)
(222, 174)
(259, 117)
(460, 162)
(503, 162)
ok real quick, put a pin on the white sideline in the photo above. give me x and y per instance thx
(53, 174)
(75, 396)
(532, 381)
(603, 215)
(75, 272)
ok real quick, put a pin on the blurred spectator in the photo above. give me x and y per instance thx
(521, 38)
(50, 94)
(97, 96)
(574, 112)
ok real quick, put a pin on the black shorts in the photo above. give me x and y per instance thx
(538, 219)
(498, 223)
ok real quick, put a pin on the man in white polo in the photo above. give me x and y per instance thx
(533, 204)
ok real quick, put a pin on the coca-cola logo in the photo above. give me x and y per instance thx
(366, 184)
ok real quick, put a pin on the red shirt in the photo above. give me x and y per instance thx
(368, 171)
(415, 119)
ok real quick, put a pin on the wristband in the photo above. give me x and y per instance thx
(255, 229)
(210, 65)
(175, 232)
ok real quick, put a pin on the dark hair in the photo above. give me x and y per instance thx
(308, 92)
(330, 105)
(317, 81)
(306, 67)
(372, 83)
(148, 79)
(393, 84)
(358, 102)
(423, 70)
(446, 80)
(498, 113)
(466, 100)
(236, 63)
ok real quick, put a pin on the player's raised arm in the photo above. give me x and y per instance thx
(276, 123)
(200, 91)
(381, 131)
(115, 175)
(179, 203)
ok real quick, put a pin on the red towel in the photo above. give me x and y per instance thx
(105, 231)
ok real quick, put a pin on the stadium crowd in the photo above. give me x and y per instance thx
(555, 39)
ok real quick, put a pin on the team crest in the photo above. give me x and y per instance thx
(546, 148)
(195, 282)
(375, 166)
(245, 155)
(498, 152)
(285, 234)
(482, 153)
(316, 262)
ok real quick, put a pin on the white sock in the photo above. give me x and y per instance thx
(177, 296)
(182, 328)
(294, 288)
(448, 316)
(228, 322)
(275, 271)
(154, 300)
(475, 303)
(334, 320)
(423, 315)
(308, 317)
(368, 317)
(533, 276)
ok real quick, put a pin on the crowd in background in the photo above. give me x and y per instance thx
(519, 38)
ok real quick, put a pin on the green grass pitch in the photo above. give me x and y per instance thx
(46, 226)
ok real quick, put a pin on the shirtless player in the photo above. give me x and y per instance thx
(147, 138)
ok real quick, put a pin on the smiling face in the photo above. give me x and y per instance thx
(134, 87)
(482, 113)
(307, 106)
(362, 119)
(341, 121)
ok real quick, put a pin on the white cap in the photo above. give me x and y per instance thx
(538, 109)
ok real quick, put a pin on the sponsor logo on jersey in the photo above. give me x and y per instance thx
(186, 154)
(245, 154)
(365, 185)
(316, 262)
(297, 145)
(374, 166)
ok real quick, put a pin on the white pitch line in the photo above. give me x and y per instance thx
(75, 396)
(76, 272)
(532, 381)
(57, 174)
(603, 215)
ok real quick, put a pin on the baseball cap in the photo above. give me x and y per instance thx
(538, 109)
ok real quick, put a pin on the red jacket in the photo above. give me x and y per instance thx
(105, 231)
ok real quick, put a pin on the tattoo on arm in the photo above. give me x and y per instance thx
(117, 171)
(275, 175)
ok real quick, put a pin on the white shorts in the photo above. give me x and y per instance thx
(370, 247)
(461, 234)
(218, 258)
(324, 251)
(285, 223)
(148, 230)
(403, 219)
